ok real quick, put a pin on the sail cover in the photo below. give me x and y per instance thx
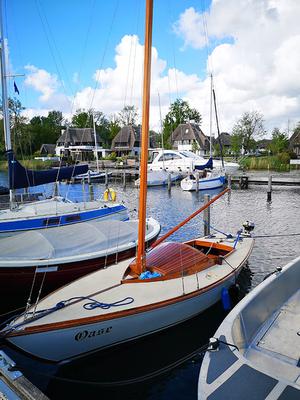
(208, 165)
(20, 177)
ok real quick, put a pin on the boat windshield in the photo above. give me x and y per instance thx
(188, 154)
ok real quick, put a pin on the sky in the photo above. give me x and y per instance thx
(83, 54)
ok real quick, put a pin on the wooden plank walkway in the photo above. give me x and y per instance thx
(14, 385)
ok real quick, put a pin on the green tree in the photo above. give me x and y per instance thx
(180, 112)
(82, 119)
(249, 127)
(279, 143)
(236, 144)
(128, 116)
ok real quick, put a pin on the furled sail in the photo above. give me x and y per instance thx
(20, 177)
(208, 165)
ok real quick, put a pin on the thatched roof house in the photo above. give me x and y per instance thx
(189, 136)
(295, 142)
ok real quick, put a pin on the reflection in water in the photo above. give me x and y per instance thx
(103, 375)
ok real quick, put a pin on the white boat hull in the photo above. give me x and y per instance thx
(84, 339)
(188, 184)
(156, 305)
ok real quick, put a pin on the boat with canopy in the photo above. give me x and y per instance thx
(159, 288)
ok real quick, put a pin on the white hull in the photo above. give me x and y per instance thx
(156, 305)
(89, 338)
(188, 184)
(159, 178)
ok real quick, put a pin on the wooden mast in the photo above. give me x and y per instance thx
(140, 260)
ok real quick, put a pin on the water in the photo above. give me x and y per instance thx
(166, 365)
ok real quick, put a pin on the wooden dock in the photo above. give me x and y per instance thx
(14, 385)
(292, 180)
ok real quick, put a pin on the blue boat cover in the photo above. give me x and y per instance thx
(208, 165)
(20, 177)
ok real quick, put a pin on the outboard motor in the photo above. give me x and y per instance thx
(248, 227)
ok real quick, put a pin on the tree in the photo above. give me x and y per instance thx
(82, 119)
(279, 143)
(249, 126)
(180, 113)
(128, 116)
(236, 144)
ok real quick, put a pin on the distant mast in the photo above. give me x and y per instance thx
(140, 260)
(5, 109)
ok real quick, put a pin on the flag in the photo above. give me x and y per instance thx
(16, 88)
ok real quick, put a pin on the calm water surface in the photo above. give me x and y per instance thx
(147, 369)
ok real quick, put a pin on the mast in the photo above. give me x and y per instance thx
(210, 116)
(140, 260)
(96, 144)
(161, 132)
(7, 133)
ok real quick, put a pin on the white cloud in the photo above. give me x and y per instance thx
(259, 66)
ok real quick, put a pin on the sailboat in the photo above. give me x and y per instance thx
(159, 288)
(212, 178)
(56, 211)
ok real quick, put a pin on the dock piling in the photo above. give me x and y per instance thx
(169, 182)
(269, 192)
(124, 179)
(197, 182)
(229, 182)
(206, 216)
(106, 179)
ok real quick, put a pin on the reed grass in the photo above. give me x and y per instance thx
(274, 163)
(30, 164)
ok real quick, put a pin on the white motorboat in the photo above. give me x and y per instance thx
(255, 352)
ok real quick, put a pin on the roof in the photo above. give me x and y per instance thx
(127, 138)
(78, 135)
(48, 148)
(190, 131)
(295, 138)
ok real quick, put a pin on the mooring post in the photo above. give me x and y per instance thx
(229, 182)
(83, 191)
(55, 189)
(106, 178)
(169, 182)
(206, 216)
(124, 179)
(91, 191)
(89, 177)
(269, 192)
(197, 182)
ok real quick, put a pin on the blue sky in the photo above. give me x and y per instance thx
(253, 47)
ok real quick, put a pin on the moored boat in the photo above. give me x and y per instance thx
(255, 352)
(211, 180)
(43, 260)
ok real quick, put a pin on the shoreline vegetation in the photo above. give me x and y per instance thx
(278, 163)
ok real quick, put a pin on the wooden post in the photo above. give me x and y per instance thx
(55, 189)
(106, 178)
(124, 179)
(229, 182)
(269, 192)
(89, 177)
(197, 182)
(91, 191)
(206, 216)
(169, 182)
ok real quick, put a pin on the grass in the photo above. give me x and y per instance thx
(30, 164)
(274, 163)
